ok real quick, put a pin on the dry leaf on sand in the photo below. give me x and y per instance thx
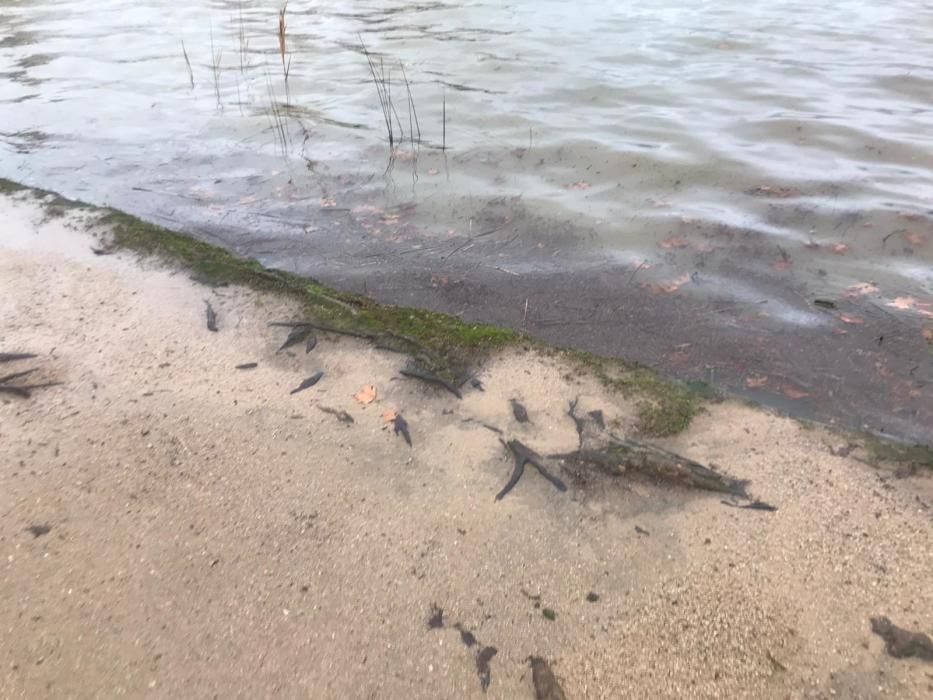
(366, 395)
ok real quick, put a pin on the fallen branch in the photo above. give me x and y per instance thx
(618, 457)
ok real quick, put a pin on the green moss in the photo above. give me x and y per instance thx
(448, 342)
(665, 406)
(902, 454)
(9, 187)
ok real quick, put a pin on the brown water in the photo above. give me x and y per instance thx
(590, 171)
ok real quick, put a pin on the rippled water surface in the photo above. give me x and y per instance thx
(753, 155)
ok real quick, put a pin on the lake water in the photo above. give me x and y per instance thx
(675, 181)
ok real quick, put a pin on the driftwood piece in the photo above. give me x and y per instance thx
(525, 455)
(14, 356)
(901, 643)
(619, 456)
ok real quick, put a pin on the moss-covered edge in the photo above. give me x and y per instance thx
(665, 406)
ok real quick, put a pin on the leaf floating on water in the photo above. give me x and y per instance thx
(915, 238)
(674, 242)
(328, 202)
(433, 171)
(580, 185)
(860, 289)
(366, 395)
(755, 381)
(840, 248)
(792, 392)
(783, 264)
(928, 335)
(779, 192)
(849, 318)
(909, 303)
(389, 415)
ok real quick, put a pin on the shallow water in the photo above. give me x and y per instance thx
(736, 158)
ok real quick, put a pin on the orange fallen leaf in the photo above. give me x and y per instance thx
(780, 192)
(389, 416)
(782, 264)
(674, 242)
(755, 381)
(928, 334)
(328, 202)
(860, 289)
(366, 395)
(794, 393)
(915, 238)
(840, 248)
(581, 185)
(910, 303)
(848, 318)
(433, 171)
(667, 287)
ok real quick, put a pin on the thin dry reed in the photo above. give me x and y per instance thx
(184, 52)
(286, 67)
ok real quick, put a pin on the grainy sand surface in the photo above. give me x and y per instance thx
(212, 535)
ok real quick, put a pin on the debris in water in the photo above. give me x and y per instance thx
(416, 372)
(598, 418)
(310, 343)
(39, 530)
(523, 455)
(436, 620)
(546, 685)
(641, 531)
(824, 303)
(296, 335)
(754, 505)
(549, 614)
(519, 411)
(592, 597)
(477, 384)
(309, 382)
(465, 635)
(482, 666)
(901, 643)
(101, 251)
(247, 365)
(401, 427)
(342, 416)
(211, 316)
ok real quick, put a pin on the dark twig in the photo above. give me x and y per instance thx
(424, 375)
(525, 455)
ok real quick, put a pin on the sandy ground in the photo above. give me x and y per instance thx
(213, 535)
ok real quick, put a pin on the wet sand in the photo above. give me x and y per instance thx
(211, 534)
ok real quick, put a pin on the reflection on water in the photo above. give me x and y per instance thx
(732, 150)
